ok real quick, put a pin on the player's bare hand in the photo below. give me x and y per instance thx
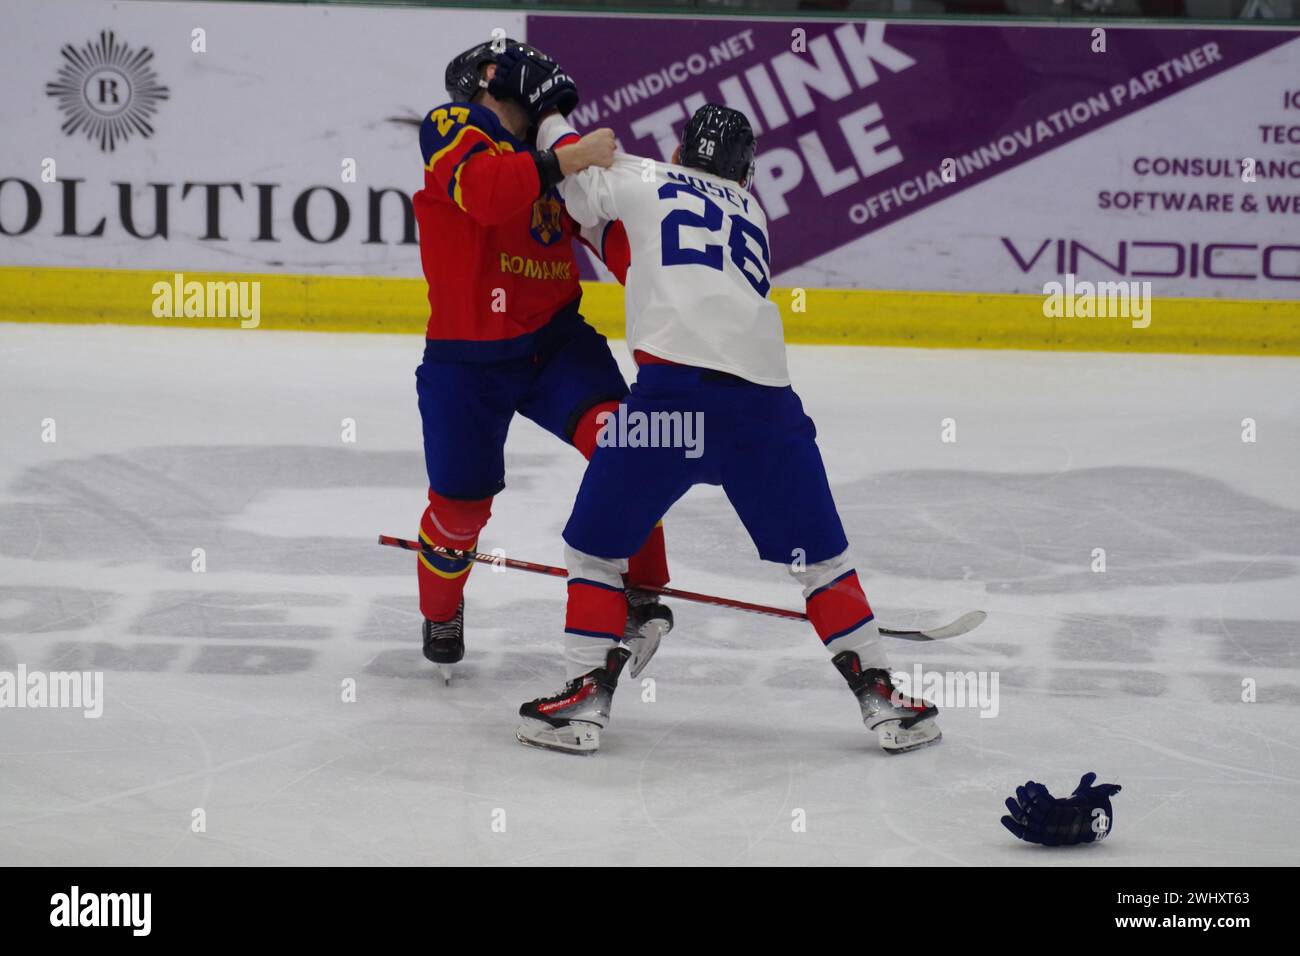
(602, 144)
(595, 149)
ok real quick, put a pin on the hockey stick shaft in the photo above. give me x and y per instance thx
(547, 569)
(965, 623)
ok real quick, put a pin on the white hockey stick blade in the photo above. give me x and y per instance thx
(967, 622)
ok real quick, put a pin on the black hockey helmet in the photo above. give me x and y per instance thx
(464, 76)
(719, 140)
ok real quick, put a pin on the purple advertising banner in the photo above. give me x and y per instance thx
(863, 123)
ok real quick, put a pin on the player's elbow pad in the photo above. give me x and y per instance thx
(548, 170)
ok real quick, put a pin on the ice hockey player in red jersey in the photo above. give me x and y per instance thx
(505, 334)
(710, 351)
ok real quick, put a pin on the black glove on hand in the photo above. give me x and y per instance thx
(533, 81)
(1084, 816)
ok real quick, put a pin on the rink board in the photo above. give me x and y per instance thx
(830, 316)
(1114, 166)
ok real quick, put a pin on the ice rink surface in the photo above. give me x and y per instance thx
(223, 689)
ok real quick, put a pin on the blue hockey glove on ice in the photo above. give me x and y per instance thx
(1083, 817)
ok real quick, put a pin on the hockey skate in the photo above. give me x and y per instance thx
(571, 720)
(901, 723)
(444, 641)
(647, 622)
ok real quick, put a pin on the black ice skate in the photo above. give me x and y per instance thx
(647, 622)
(571, 721)
(901, 723)
(444, 641)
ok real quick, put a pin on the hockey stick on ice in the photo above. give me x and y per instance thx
(968, 621)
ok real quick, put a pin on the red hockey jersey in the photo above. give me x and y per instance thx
(498, 258)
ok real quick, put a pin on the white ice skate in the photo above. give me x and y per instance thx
(901, 723)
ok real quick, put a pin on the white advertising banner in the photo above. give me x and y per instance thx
(220, 136)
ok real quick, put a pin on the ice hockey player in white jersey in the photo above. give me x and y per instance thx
(699, 248)
(712, 404)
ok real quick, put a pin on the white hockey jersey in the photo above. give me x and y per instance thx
(697, 286)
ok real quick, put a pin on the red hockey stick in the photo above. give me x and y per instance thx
(960, 626)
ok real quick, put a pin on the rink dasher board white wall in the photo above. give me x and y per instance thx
(284, 94)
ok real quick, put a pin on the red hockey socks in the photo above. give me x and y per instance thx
(449, 523)
(839, 611)
(588, 429)
(596, 612)
(650, 564)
